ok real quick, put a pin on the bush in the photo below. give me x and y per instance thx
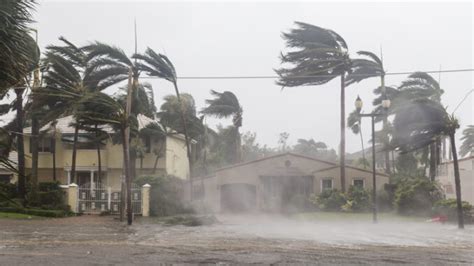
(37, 212)
(415, 196)
(166, 195)
(384, 201)
(329, 200)
(448, 207)
(49, 186)
(49, 196)
(357, 200)
(8, 190)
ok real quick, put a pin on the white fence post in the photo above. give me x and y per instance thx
(109, 198)
(73, 196)
(146, 200)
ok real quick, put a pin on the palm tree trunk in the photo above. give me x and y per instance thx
(126, 146)
(99, 161)
(20, 143)
(342, 161)
(362, 143)
(34, 139)
(155, 165)
(238, 146)
(74, 153)
(185, 128)
(457, 182)
(53, 151)
(126, 156)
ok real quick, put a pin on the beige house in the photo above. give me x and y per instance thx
(269, 183)
(172, 157)
(445, 177)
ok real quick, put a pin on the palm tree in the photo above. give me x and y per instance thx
(419, 124)
(320, 55)
(66, 79)
(422, 81)
(362, 69)
(467, 146)
(110, 65)
(226, 104)
(158, 65)
(15, 47)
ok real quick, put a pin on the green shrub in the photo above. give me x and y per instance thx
(166, 195)
(8, 190)
(415, 196)
(329, 200)
(49, 196)
(357, 200)
(384, 201)
(49, 186)
(37, 212)
(448, 207)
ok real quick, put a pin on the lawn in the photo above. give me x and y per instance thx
(367, 216)
(13, 215)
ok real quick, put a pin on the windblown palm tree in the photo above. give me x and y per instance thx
(66, 80)
(319, 56)
(467, 146)
(362, 69)
(418, 125)
(225, 104)
(110, 65)
(158, 65)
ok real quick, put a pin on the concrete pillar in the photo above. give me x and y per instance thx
(68, 177)
(146, 200)
(72, 197)
(92, 179)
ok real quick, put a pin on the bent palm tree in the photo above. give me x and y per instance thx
(418, 125)
(158, 65)
(226, 104)
(320, 56)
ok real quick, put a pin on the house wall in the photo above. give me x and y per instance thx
(251, 173)
(446, 179)
(176, 157)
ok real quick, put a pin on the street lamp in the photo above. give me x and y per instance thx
(373, 115)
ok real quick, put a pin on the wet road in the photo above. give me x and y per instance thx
(236, 240)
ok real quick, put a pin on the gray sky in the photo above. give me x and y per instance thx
(243, 39)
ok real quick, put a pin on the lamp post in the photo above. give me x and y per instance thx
(373, 115)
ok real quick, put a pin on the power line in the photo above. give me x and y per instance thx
(463, 99)
(314, 76)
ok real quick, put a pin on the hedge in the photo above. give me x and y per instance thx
(37, 212)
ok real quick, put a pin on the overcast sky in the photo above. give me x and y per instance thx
(243, 39)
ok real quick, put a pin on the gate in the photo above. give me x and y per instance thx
(96, 199)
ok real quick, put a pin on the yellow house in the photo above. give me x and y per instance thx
(171, 151)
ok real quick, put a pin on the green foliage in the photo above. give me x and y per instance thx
(49, 186)
(415, 196)
(329, 200)
(467, 139)
(165, 195)
(49, 197)
(188, 220)
(8, 190)
(37, 212)
(448, 207)
(357, 200)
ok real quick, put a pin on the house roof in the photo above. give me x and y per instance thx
(333, 165)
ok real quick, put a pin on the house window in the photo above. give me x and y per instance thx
(326, 184)
(358, 183)
(45, 144)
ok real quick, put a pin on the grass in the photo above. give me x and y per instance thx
(19, 216)
(366, 216)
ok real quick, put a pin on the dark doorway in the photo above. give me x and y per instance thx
(238, 197)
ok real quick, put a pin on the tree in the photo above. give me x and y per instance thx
(362, 69)
(158, 65)
(110, 65)
(418, 125)
(318, 56)
(315, 149)
(467, 146)
(225, 104)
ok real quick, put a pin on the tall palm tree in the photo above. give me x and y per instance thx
(110, 65)
(66, 79)
(363, 68)
(158, 65)
(467, 146)
(422, 81)
(226, 104)
(318, 56)
(418, 125)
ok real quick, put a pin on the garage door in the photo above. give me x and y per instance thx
(238, 197)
